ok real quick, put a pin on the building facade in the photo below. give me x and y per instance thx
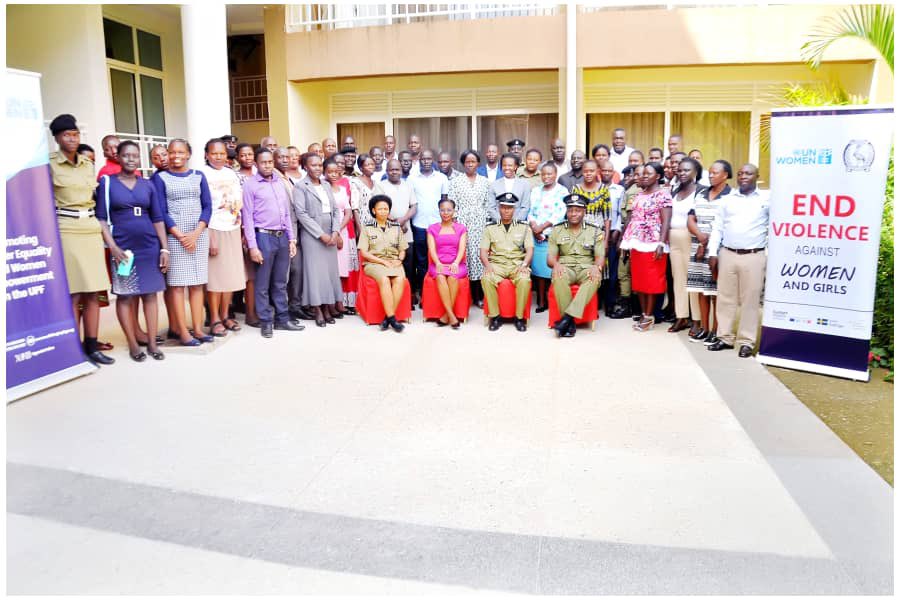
(458, 75)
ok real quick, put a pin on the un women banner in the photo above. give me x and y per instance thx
(829, 169)
(42, 343)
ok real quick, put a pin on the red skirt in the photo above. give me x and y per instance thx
(648, 275)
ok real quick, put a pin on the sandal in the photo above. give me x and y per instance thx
(231, 325)
(679, 325)
(645, 324)
(350, 311)
(139, 357)
(212, 329)
(156, 354)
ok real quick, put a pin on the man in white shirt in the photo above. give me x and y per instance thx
(414, 145)
(741, 227)
(429, 187)
(620, 150)
(390, 145)
(558, 152)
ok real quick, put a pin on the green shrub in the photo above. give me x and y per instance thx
(883, 321)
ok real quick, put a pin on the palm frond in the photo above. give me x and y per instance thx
(873, 23)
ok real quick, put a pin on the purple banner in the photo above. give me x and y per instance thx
(40, 328)
(42, 343)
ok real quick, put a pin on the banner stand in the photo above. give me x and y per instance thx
(828, 175)
(48, 381)
(42, 343)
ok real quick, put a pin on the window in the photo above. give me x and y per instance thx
(643, 130)
(365, 134)
(441, 134)
(538, 130)
(716, 134)
(136, 79)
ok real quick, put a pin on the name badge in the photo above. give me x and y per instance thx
(137, 211)
(564, 238)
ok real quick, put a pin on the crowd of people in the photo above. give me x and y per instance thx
(283, 235)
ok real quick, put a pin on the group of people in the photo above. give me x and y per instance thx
(285, 236)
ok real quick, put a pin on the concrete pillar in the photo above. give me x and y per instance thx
(204, 38)
(572, 141)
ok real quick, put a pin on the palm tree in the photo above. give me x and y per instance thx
(873, 23)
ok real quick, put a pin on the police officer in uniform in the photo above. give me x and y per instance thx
(575, 252)
(382, 246)
(506, 249)
(516, 146)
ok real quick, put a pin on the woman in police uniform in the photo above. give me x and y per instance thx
(382, 246)
(79, 230)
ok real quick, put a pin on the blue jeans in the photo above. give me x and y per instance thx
(272, 277)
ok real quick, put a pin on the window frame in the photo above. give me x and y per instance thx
(137, 70)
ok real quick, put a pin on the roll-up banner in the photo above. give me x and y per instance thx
(828, 171)
(42, 343)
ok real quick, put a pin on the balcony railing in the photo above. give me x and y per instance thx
(313, 17)
(249, 99)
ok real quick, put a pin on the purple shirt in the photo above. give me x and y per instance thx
(266, 206)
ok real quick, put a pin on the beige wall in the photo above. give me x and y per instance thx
(39, 38)
(681, 36)
(434, 47)
(705, 35)
(276, 74)
(252, 132)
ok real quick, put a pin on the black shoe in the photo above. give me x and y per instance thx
(745, 351)
(570, 332)
(290, 326)
(710, 339)
(521, 325)
(637, 317)
(494, 324)
(700, 336)
(621, 311)
(563, 326)
(265, 329)
(252, 323)
(98, 358)
(540, 309)
(301, 314)
(385, 324)
(719, 345)
(395, 325)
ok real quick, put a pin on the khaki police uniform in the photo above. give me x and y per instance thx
(624, 268)
(576, 251)
(386, 244)
(82, 244)
(506, 253)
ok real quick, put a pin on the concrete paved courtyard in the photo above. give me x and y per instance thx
(347, 460)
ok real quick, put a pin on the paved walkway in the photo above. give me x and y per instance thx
(350, 460)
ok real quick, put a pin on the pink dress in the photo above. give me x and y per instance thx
(447, 246)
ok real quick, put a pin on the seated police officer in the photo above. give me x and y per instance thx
(575, 252)
(382, 246)
(506, 249)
